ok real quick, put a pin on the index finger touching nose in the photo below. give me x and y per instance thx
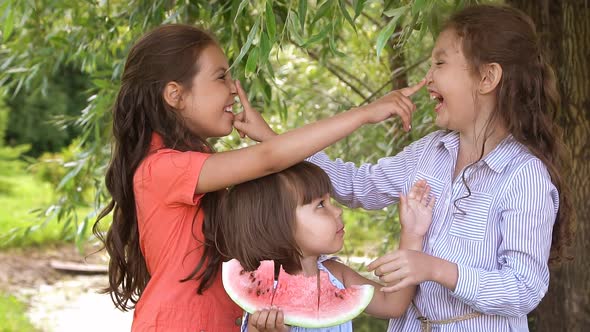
(242, 95)
(408, 91)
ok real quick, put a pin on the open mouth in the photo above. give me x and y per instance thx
(229, 108)
(439, 99)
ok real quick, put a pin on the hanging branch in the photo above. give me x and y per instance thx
(333, 71)
(396, 73)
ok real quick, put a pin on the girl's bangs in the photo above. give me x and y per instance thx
(308, 181)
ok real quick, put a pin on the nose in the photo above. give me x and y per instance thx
(337, 211)
(429, 78)
(232, 87)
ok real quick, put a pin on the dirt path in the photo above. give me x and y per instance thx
(58, 301)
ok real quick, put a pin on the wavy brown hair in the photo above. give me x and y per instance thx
(258, 219)
(167, 53)
(527, 96)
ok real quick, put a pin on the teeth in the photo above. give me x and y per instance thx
(228, 109)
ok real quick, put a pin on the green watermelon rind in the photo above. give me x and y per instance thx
(366, 294)
(229, 289)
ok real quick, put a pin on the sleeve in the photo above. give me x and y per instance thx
(175, 174)
(370, 186)
(528, 212)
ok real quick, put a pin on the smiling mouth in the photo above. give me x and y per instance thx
(229, 108)
(436, 96)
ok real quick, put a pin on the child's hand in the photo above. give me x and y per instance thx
(402, 268)
(249, 122)
(268, 320)
(415, 211)
(397, 102)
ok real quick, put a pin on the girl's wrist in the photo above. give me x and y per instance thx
(363, 114)
(411, 241)
(443, 272)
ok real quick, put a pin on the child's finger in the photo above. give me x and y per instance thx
(238, 119)
(409, 104)
(425, 195)
(271, 319)
(431, 202)
(243, 98)
(403, 200)
(280, 319)
(413, 89)
(387, 268)
(378, 262)
(394, 276)
(260, 322)
(392, 289)
(405, 116)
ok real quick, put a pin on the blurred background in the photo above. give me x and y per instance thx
(60, 66)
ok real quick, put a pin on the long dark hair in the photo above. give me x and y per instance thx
(528, 99)
(167, 53)
(258, 219)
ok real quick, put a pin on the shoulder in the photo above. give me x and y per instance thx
(166, 162)
(334, 265)
(524, 164)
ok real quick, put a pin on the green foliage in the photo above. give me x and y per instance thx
(11, 164)
(299, 61)
(44, 118)
(366, 323)
(13, 315)
(4, 111)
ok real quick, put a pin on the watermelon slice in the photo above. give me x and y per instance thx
(296, 295)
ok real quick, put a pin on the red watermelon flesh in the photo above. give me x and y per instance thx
(296, 295)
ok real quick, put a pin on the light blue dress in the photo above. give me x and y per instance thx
(344, 327)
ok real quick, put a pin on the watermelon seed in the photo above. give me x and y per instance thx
(258, 282)
(258, 292)
(242, 272)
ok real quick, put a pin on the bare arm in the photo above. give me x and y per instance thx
(279, 152)
(383, 304)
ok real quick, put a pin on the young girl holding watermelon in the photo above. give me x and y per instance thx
(176, 92)
(288, 217)
(495, 169)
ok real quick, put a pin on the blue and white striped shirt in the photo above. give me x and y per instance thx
(500, 243)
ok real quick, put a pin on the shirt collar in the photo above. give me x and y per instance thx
(503, 154)
(450, 140)
(496, 160)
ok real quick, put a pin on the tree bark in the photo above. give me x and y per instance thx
(564, 27)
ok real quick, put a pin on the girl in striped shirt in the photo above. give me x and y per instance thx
(496, 169)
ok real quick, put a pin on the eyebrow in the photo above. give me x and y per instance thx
(221, 69)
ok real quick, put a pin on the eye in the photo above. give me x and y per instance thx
(222, 77)
(438, 63)
(321, 204)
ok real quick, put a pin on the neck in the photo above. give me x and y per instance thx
(483, 135)
(309, 265)
(472, 145)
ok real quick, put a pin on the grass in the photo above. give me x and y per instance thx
(12, 315)
(22, 199)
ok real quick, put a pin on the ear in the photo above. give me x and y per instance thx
(173, 95)
(491, 75)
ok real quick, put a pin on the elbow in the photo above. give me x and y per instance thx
(526, 307)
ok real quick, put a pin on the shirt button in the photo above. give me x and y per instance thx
(239, 321)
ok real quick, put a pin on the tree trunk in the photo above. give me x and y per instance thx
(564, 27)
